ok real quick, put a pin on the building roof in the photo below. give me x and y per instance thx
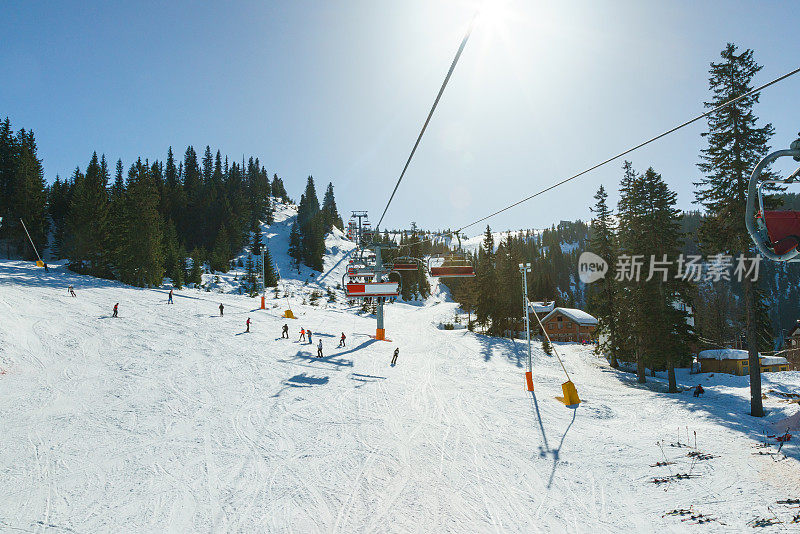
(575, 315)
(795, 331)
(723, 354)
(774, 360)
(541, 307)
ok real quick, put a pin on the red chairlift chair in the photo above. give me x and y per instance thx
(775, 233)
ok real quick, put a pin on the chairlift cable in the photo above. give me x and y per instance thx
(430, 114)
(623, 153)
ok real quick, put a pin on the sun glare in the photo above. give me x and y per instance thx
(494, 15)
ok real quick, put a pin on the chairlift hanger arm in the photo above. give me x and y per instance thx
(755, 197)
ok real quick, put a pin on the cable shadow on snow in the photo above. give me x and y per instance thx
(325, 275)
(302, 380)
(365, 379)
(333, 360)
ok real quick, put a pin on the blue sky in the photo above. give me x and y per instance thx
(340, 89)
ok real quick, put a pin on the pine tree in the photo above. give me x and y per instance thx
(256, 243)
(270, 273)
(87, 222)
(547, 347)
(172, 258)
(141, 255)
(309, 205)
(182, 271)
(59, 197)
(649, 227)
(221, 253)
(735, 145)
(195, 275)
(28, 197)
(603, 293)
(486, 281)
(295, 250)
(331, 214)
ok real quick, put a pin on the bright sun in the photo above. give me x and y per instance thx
(494, 15)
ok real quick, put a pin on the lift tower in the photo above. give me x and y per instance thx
(380, 332)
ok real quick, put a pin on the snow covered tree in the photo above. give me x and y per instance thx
(735, 144)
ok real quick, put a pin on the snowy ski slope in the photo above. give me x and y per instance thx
(171, 419)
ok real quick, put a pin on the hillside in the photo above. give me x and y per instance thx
(171, 418)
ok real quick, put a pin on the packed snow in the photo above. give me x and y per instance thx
(170, 418)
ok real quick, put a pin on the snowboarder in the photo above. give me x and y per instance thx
(46, 269)
(319, 349)
(309, 337)
(169, 299)
(285, 332)
(341, 340)
(302, 334)
(698, 390)
(396, 354)
(71, 291)
(248, 325)
(221, 308)
(116, 308)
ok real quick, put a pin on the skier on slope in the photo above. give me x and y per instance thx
(302, 335)
(221, 308)
(169, 299)
(396, 354)
(248, 324)
(116, 309)
(309, 337)
(319, 349)
(699, 390)
(341, 340)
(285, 332)
(71, 291)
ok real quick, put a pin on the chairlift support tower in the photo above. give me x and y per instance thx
(380, 332)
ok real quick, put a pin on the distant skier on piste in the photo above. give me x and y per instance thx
(285, 332)
(309, 337)
(71, 291)
(221, 309)
(116, 309)
(319, 349)
(341, 340)
(302, 335)
(169, 298)
(248, 324)
(396, 354)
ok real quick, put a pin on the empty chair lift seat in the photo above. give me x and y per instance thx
(783, 228)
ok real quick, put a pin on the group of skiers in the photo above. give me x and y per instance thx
(284, 332)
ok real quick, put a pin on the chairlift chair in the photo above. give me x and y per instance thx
(406, 263)
(451, 265)
(367, 289)
(776, 233)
